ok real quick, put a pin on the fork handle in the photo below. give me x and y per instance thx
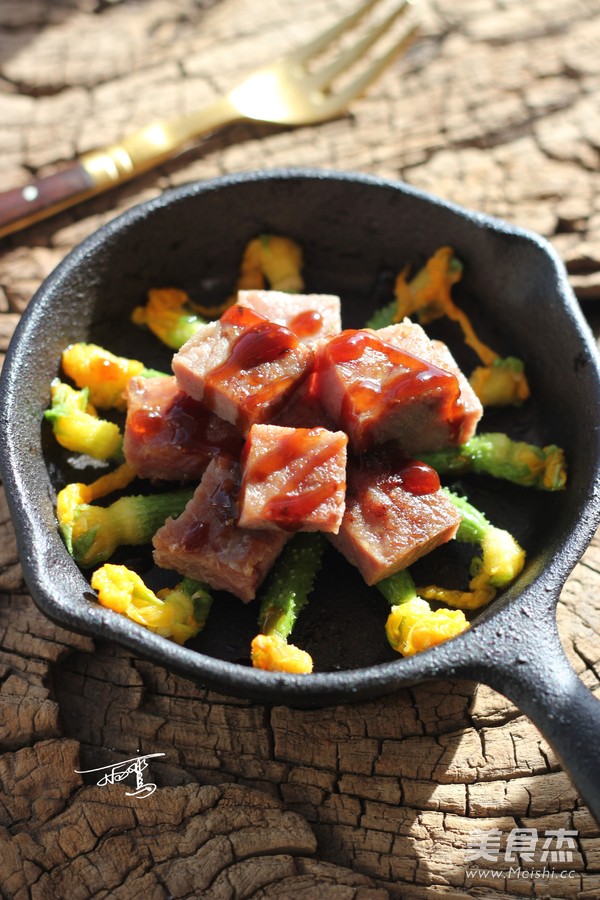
(108, 166)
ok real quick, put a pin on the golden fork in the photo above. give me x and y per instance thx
(286, 92)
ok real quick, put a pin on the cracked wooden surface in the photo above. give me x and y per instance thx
(497, 108)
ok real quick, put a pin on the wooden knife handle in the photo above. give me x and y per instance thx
(43, 197)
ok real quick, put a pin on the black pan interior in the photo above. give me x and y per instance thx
(356, 234)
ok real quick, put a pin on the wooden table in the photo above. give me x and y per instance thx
(498, 108)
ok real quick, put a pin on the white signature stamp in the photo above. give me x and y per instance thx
(121, 770)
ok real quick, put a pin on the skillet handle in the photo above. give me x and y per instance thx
(540, 680)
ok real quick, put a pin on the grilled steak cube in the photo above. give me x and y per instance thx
(170, 436)
(242, 367)
(376, 389)
(305, 409)
(293, 479)
(311, 317)
(206, 543)
(395, 513)
(410, 337)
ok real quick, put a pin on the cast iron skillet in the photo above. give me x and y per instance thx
(356, 232)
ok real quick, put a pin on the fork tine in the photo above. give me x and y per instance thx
(322, 79)
(362, 82)
(322, 41)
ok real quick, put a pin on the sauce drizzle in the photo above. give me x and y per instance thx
(399, 377)
(187, 424)
(304, 448)
(307, 323)
(394, 470)
(259, 343)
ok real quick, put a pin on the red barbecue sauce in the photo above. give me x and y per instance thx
(293, 446)
(290, 509)
(223, 501)
(189, 425)
(415, 376)
(390, 469)
(307, 323)
(260, 342)
(416, 477)
(197, 537)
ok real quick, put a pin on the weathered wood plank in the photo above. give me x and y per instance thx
(496, 108)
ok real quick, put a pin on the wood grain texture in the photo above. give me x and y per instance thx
(498, 108)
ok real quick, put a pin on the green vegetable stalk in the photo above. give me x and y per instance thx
(382, 317)
(501, 561)
(289, 586)
(93, 533)
(496, 454)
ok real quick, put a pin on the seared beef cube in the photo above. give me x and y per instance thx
(311, 317)
(376, 390)
(206, 543)
(294, 479)
(170, 436)
(305, 409)
(243, 367)
(395, 513)
(410, 337)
